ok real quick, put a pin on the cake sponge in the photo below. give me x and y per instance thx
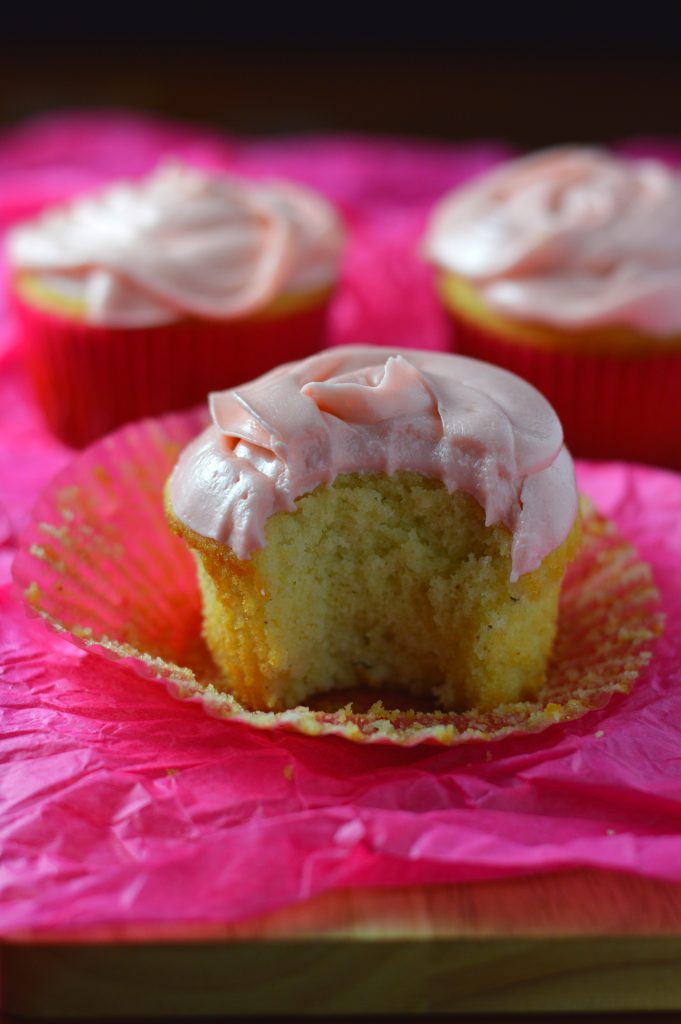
(379, 580)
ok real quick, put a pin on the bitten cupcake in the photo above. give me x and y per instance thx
(143, 297)
(565, 267)
(370, 516)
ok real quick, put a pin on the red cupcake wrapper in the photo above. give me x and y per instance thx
(611, 407)
(90, 379)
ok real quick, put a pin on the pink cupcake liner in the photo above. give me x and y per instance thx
(611, 407)
(91, 379)
(99, 565)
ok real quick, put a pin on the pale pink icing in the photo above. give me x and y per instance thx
(180, 243)
(473, 426)
(572, 237)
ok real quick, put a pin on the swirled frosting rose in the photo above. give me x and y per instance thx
(473, 426)
(182, 243)
(573, 237)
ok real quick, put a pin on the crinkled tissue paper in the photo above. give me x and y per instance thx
(120, 805)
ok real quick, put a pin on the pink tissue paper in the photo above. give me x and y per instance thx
(120, 805)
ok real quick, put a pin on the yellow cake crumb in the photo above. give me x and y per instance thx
(379, 580)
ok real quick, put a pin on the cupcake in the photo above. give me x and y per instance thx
(565, 267)
(370, 516)
(143, 297)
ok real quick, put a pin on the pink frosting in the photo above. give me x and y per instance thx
(473, 426)
(571, 237)
(182, 243)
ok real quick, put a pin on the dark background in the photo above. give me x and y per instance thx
(579, 73)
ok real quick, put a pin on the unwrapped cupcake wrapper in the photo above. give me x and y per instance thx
(91, 379)
(99, 564)
(611, 407)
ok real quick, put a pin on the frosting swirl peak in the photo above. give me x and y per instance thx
(474, 427)
(182, 243)
(575, 237)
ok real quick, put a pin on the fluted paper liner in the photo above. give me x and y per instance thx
(594, 393)
(99, 564)
(90, 379)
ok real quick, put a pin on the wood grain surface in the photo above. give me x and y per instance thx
(578, 942)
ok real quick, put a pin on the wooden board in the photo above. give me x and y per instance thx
(582, 941)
